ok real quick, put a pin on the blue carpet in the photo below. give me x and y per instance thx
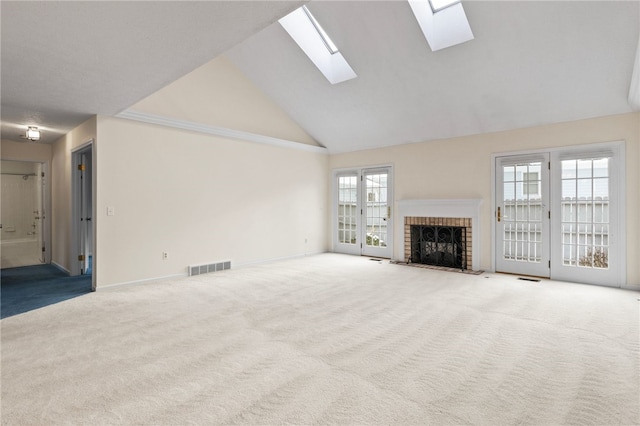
(32, 287)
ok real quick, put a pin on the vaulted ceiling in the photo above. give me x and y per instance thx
(530, 63)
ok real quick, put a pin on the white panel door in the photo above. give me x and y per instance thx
(347, 235)
(586, 207)
(376, 213)
(522, 215)
(362, 221)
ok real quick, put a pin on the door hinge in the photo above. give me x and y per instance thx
(549, 264)
(43, 249)
(360, 245)
(549, 165)
(361, 212)
(42, 174)
(81, 167)
(549, 214)
(81, 257)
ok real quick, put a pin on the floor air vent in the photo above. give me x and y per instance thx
(535, 280)
(208, 267)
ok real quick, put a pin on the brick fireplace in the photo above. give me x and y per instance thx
(463, 213)
(459, 251)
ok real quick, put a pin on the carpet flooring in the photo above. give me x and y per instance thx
(31, 287)
(327, 339)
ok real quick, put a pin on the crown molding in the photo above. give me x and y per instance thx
(217, 131)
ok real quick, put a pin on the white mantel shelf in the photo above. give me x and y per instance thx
(465, 207)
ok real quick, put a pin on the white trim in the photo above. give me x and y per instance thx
(441, 208)
(217, 131)
(144, 281)
(273, 259)
(75, 188)
(356, 250)
(186, 274)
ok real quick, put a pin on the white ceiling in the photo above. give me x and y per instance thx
(63, 62)
(530, 63)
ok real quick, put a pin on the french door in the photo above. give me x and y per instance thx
(561, 215)
(522, 215)
(363, 212)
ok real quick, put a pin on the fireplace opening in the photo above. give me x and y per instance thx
(439, 245)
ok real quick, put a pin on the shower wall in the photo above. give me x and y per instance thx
(21, 195)
(20, 213)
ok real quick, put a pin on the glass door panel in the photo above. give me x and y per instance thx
(377, 214)
(347, 215)
(362, 215)
(522, 216)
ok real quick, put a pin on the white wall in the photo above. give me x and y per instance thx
(218, 94)
(461, 168)
(202, 199)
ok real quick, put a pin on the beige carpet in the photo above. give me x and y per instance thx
(327, 339)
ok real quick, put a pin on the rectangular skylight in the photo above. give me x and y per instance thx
(305, 30)
(438, 5)
(323, 35)
(446, 27)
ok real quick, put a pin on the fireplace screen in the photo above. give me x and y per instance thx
(439, 245)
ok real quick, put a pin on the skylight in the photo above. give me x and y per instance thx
(443, 22)
(309, 35)
(323, 35)
(438, 5)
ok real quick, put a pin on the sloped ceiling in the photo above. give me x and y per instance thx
(530, 63)
(63, 62)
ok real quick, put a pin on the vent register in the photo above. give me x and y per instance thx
(208, 268)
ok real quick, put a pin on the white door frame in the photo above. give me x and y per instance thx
(359, 172)
(76, 155)
(615, 147)
(540, 268)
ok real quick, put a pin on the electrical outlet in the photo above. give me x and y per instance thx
(165, 255)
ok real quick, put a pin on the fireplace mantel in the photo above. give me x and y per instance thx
(462, 208)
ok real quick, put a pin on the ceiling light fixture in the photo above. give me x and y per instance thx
(33, 134)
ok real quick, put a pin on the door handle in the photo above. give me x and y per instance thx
(498, 214)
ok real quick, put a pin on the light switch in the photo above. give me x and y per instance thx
(111, 211)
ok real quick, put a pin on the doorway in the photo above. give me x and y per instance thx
(82, 214)
(363, 222)
(522, 215)
(560, 214)
(22, 215)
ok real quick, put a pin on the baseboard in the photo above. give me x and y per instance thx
(277, 259)
(185, 275)
(631, 287)
(143, 281)
(62, 268)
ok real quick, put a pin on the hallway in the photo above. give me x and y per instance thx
(32, 287)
